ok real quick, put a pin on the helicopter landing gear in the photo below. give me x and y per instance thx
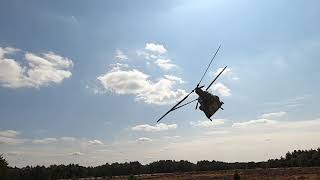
(221, 103)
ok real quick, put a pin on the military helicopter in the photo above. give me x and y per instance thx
(209, 103)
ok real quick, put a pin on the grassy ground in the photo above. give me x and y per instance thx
(256, 174)
(296, 173)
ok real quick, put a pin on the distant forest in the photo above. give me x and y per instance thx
(297, 158)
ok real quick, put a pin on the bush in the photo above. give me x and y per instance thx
(3, 168)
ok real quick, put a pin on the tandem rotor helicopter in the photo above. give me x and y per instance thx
(209, 103)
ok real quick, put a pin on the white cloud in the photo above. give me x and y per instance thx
(144, 139)
(118, 66)
(68, 139)
(254, 123)
(138, 83)
(9, 133)
(221, 89)
(10, 137)
(174, 78)
(95, 142)
(10, 140)
(76, 153)
(7, 50)
(39, 70)
(120, 56)
(240, 144)
(274, 114)
(207, 123)
(156, 128)
(125, 82)
(122, 79)
(44, 141)
(48, 68)
(11, 72)
(165, 64)
(227, 73)
(245, 146)
(146, 55)
(157, 48)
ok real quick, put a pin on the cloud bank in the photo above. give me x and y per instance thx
(33, 70)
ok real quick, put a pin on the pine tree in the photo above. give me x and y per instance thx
(3, 168)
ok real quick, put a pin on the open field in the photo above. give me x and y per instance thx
(297, 173)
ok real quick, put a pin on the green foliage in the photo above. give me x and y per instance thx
(307, 158)
(3, 168)
(132, 177)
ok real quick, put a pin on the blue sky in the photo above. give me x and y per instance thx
(84, 82)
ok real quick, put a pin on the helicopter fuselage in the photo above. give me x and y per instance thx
(209, 103)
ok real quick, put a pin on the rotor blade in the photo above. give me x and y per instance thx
(209, 65)
(173, 108)
(185, 104)
(216, 78)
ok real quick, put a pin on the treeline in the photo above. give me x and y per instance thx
(300, 158)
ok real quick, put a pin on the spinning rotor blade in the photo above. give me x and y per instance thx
(177, 105)
(185, 104)
(216, 78)
(174, 107)
(208, 65)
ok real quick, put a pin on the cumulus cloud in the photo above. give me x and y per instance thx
(165, 64)
(139, 84)
(154, 53)
(156, 128)
(221, 89)
(273, 115)
(44, 141)
(122, 79)
(147, 55)
(227, 73)
(157, 48)
(95, 142)
(33, 70)
(120, 56)
(254, 123)
(9, 133)
(144, 139)
(174, 78)
(207, 123)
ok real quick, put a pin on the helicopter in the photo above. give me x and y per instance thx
(209, 103)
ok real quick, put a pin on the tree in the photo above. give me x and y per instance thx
(3, 168)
